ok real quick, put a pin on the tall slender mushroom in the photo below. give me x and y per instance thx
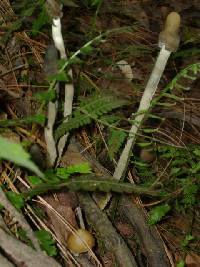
(168, 42)
(55, 10)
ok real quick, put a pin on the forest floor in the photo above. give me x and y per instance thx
(159, 225)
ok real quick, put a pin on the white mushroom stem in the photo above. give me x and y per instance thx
(143, 108)
(57, 37)
(52, 106)
(50, 69)
(168, 38)
(69, 88)
(48, 133)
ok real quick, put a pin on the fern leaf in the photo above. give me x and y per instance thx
(77, 121)
(89, 109)
(64, 173)
(158, 213)
(190, 72)
(115, 141)
(111, 119)
(101, 104)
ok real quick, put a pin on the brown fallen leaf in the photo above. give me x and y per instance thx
(192, 260)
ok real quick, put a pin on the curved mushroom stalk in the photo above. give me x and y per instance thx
(55, 152)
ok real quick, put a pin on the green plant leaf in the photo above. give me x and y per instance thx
(82, 168)
(23, 236)
(144, 144)
(190, 52)
(180, 264)
(115, 141)
(47, 243)
(28, 11)
(174, 171)
(75, 60)
(40, 21)
(15, 153)
(34, 180)
(141, 164)
(186, 241)
(49, 95)
(37, 118)
(79, 168)
(177, 98)
(150, 130)
(190, 191)
(158, 213)
(16, 199)
(60, 76)
(86, 50)
(195, 168)
(196, 151)
(90, 109)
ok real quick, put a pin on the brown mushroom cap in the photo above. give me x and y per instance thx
(75, 241)
(147, 155)
(170, 35)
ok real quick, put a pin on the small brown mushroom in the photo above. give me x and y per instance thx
(77, 242)
(147, 155)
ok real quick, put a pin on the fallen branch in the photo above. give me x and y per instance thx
(94, 183)
(4, 262)
(20, 253)
(18, 217)
(148, 236)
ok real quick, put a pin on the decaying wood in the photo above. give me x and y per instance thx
(23, 255)
(148, 236)
(18, 217)
(16, 251)
(4, 262)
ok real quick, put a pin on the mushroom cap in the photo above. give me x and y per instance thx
(147, 155)
(170, 35)
(75, 242)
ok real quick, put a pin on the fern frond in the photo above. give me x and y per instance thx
(38, 118)
(77, 121)
(111, 119)
(88, 110)
(115, 141)
(101, 104)
(190, 72)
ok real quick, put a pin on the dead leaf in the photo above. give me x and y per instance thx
(192, 260)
